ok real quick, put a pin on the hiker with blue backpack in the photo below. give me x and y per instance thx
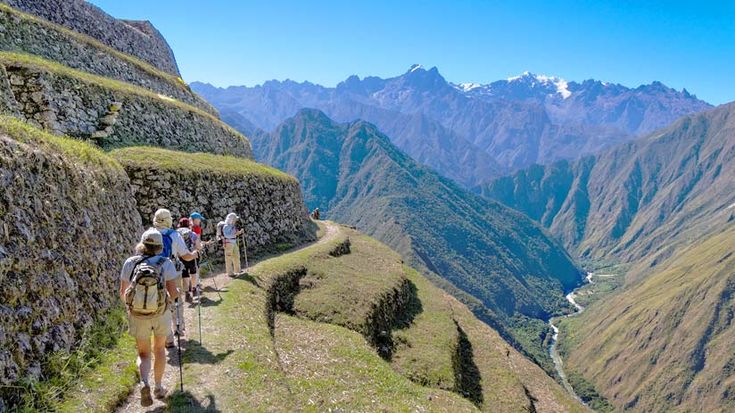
(175, 249)
(147, 287)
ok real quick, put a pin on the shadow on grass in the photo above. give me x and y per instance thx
(466, 373)
(186, 402)
(198, 354)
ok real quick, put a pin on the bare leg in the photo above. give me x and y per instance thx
(159, 352)
(144, 359)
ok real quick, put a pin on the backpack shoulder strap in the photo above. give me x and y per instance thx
(140, 261)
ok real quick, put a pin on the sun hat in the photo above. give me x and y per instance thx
(151, 236)
(184, 222)
(196, 215)
(162, 218)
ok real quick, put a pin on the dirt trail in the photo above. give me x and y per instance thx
(191, 339)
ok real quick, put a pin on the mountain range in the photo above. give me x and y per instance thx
(469, 132)
(470, 246)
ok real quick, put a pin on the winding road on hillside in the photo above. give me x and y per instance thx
(191, 314)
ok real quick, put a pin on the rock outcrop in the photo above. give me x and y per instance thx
(61, 244)
(268, 201)
(139, 39)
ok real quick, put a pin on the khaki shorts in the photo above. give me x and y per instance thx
(142, 328)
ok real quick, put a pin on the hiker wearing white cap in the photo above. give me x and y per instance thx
(174, 248)
(229, 234)
(147, 285)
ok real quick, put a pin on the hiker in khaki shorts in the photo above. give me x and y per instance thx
(147, 286)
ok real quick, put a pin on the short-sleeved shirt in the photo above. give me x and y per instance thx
(197, 230)
(229, 231)
(168, 271)
(178, 246)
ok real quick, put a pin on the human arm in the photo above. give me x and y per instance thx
(168, 271)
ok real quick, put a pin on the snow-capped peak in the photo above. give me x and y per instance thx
(466, 87)
(414, 67)
(559, 83)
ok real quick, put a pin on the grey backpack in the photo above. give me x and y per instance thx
(146, 296)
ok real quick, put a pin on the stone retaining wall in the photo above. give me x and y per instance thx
(20, 32)
(62, 243)
(82, 17)
(114, 116)
(271, 206)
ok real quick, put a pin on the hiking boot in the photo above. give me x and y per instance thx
(188, 297)
(159, 393)
(170, 344)
(145, 395)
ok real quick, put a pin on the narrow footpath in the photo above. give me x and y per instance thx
(200, 359)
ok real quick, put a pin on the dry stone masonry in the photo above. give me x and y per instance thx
(69, 105)
(270, 205)
(139, 39)
(61, 245)
(20, 32)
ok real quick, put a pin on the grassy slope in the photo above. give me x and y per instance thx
(164, 159)
(38, 63)
(314, 366)
(666, 342)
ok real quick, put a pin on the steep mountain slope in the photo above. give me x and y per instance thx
(665, 344)
(472, 132)
(639, 200)
(355, 175)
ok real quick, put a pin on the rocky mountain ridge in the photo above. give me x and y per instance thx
(470, 133)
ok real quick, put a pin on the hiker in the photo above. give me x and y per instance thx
(190, 268)
(139, 273)
(175, 249)
(196, 223)
(227, 232)
(315, 214)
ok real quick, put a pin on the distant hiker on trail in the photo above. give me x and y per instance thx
(315, 214)
(175, 249)
(227, 232)
(190, 268)
(196, 223)
(147, 286)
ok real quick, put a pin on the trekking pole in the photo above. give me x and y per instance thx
(199, 306)
(214, 277)
(178, 345)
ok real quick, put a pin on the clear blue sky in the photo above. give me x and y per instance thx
(681, 43)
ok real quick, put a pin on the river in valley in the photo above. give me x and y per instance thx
(554, 346)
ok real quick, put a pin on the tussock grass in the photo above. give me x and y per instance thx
(41, 64)
(73, 149)
(164, 159)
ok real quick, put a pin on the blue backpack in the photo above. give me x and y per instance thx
(168, 250)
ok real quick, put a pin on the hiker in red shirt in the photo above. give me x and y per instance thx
(196, 223)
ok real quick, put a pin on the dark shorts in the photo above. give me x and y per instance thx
(190, 267)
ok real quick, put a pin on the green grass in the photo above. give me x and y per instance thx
(71, 148)
(39, 63)
(170, 78)
(165, 159)
(95, 375)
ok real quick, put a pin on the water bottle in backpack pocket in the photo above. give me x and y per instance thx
(146, 295)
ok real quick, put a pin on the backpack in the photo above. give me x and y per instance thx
(168, 242)
(168, 248)
(186, 234)
(146, 295)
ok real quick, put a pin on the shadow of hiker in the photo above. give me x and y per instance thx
(198, 354)
(246, 277)
(186, 402)
(206, 302)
